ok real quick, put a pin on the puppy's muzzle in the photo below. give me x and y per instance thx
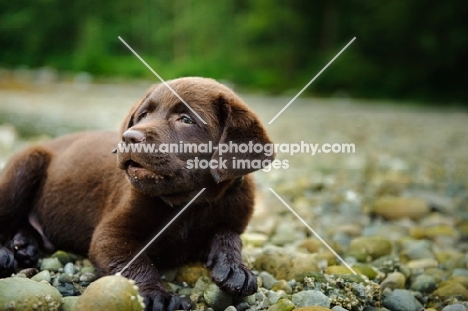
(133, 137)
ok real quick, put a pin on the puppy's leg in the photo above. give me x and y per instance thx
(227, 268)
(19, 183)
(114, 246)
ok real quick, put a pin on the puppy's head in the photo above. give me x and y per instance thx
(173, 149)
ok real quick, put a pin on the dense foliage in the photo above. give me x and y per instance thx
(404, 49)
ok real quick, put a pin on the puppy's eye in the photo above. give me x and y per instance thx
(142, 114)
(186, 120)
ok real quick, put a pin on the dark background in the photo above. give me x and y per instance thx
(411, 50)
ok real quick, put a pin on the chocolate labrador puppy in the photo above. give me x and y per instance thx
(80, 196)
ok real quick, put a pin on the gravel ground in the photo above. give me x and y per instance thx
(396, 210)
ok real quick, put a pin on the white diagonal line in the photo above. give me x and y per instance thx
(162, 230)
(310, 82)
(161, 79)
(313, 232)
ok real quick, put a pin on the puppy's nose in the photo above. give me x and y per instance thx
(133, 137)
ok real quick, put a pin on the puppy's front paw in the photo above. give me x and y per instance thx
(232, 276)
(164, 301)
(7, 262)
(26, 250)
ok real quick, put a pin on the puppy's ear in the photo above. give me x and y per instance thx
(241, 128)
(128, 121)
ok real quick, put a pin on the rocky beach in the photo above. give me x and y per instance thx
(396, 210)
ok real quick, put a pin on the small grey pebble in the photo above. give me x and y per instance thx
(65, 278)
(311, 298)
(87, 277)
(69, 268)
(67, 289)
(338, 308)
(242, 306)
(454, 307)
(51, 264)
(230, 308)
(268, 279)
(42, 276)
(401, 300)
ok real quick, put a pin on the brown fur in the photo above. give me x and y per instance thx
(107, 206)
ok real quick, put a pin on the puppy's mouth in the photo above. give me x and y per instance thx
(137, 171)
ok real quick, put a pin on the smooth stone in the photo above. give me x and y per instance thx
(87, 277)
(454, 307)
(401, 300)
(460, 272)
(284, 304)
(191, 273)
(42, 276)
(216, 297)
(88, 269)
(51, 264)
(338, 308)
(65, 278)
(275, 296)
(24, 294)
(393, 208)
(242, 306)
(230, 308)
(111, 293)
(421, 264)
(69, 303)
(62, 256)
(67, 289)
(200, 286)
(69, 268)
(254, 239)
(282, 285)
(449, 289)
(267, 279)
(424, 283)
(417, 250)
(311, 298)
(463, 280)
(373, 247)
(29, 272)
(285, 264)
(394, 280)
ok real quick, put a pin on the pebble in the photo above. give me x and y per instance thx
(421, 264)
(191, 273)
(284, 305)
(42, 276)
(401, 300)
(230, 308)
(69, 303)
(449, 289)
(455, 307)
(67, 289)
(62, 256)
(364, 248)
(268, 280)
(338, 308)
(51, 264)
(311, 298)
(111, 293)
(392, 208)
(284, 264)
(26, 294)
(394, 280)
(216, 297)
(69, 268)
(424, 283)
